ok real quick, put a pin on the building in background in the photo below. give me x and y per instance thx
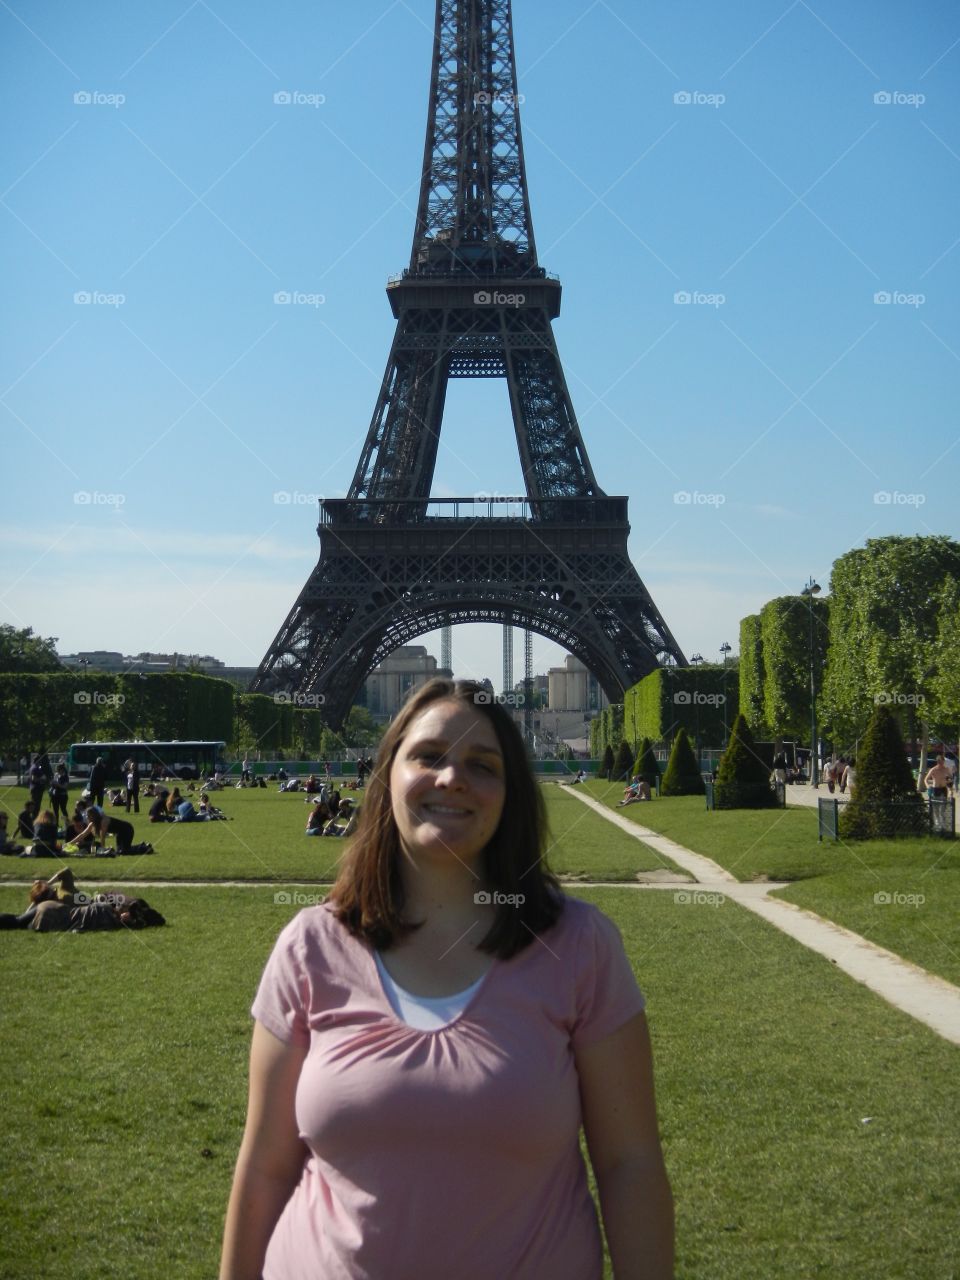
(573, 688)
(387, 686)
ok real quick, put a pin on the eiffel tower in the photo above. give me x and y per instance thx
(473, 303)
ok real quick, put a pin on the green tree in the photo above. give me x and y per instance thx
(785, 646)
(22, 651)
(606, 765)
(682, 776)
(885, 801)
(751, 674)
(743, 776)
(360, 729)
(885, 618)
(946, 678)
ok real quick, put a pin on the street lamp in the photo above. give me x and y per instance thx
(810, 590)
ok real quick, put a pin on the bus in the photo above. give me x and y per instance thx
(180, 759)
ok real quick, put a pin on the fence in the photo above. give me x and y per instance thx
(888, 821)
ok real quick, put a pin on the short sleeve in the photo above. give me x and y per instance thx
(282, 998)
(607, 994)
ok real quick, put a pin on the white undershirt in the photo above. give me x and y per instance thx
(425, 1013)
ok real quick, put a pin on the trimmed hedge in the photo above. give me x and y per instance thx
(683, 776)
(885, 800)
(743, 775)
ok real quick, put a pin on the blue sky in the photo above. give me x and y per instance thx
(798, 414)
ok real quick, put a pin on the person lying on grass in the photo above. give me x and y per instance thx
(57, 906)
(429, 1041)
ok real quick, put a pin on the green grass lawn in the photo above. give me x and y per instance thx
(809, 1129)
(901, 894)
(264, 840)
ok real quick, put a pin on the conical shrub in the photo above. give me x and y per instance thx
(621, 770)
(606, 765)
(885, 799)
(646, 764)
(743, 776)
(682, 776)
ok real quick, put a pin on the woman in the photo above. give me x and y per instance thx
(45, 836)
(317, 819)
(59, 792)
(437, 1032)
(100, 825)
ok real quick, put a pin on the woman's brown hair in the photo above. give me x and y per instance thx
(368, 895)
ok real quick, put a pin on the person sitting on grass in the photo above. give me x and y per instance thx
(174, 801)
(25, 820)
(209, 812)
(345, 821)
(637, 790)
(317, 818)
(44, 838)
(158, 810)
(100, 825)
(7, 847)
(312, 785)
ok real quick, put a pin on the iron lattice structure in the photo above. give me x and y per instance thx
(473, 303)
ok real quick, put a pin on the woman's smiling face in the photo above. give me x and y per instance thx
(447, 784)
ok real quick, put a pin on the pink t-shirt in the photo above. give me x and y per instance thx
(451, 1152)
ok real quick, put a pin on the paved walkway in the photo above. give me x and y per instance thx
(924, 996)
